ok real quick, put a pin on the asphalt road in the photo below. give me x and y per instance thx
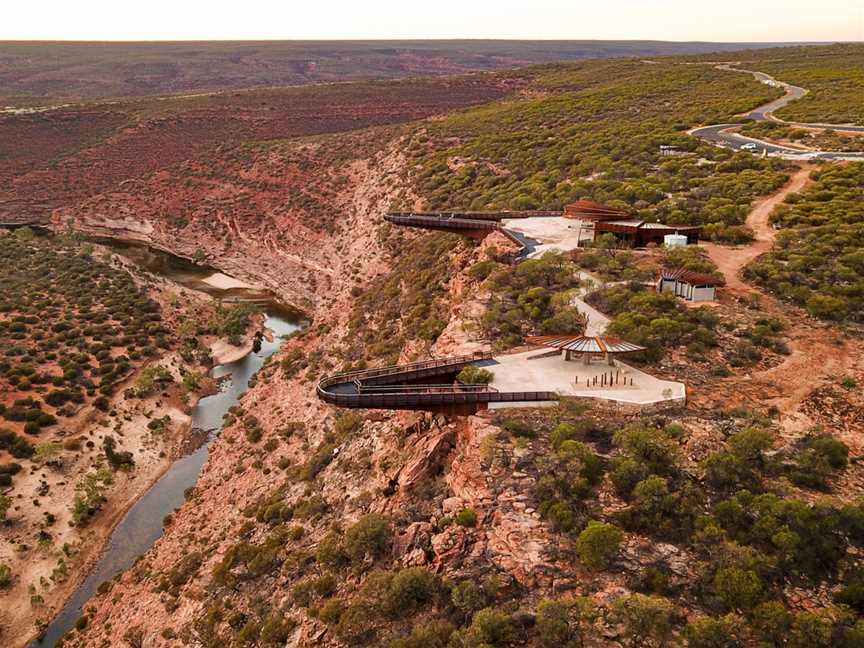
(719, 135)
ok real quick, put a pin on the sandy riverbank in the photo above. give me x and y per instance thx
(226, 282)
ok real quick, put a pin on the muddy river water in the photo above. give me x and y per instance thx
(141, 527)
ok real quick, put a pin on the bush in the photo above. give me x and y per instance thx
(472, 375)
(409, 590)
(739, 589)
(5, 576)
(564, 622)
(819, 458)
(466, 518)
(370, 536)
(435, 634)
(275, 630)
(467, 597)
(708, 632)
(647, 620)
(17, 446)
(490, 627)
(598, 544)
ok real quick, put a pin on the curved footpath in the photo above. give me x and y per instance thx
(721, 135)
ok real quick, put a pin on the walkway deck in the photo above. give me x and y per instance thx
(389, 388)
(525, 370)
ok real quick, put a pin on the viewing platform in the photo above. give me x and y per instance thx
(399, 387)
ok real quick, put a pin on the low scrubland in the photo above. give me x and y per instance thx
(818, 262)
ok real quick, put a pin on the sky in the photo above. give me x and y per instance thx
(678, 20)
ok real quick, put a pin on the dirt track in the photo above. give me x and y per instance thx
(819, 352)
(731, 260)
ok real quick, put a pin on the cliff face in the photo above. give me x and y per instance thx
(275, 215)
(415, 469)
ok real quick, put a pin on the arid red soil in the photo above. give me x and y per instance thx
(30, 71)
(65, 165)
(819, 353)
(732, 260)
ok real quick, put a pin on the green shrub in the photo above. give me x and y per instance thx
(490, 627)
(647, 620)
(739, 589)
(708, 632)
(409, 590)
(564, 622)
(466, 518)
(467, 597)
(472, 375)
(598, 544)
(368, 537)
(435, 634)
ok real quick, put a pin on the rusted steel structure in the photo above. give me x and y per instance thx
(472, 224)
(404, 387)
(639, 233)
(588, 210)
(586, 346)
(473, 227)
(480, 215)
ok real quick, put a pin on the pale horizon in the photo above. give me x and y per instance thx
(732, 21)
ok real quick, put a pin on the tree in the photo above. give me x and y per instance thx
(370, 536)
(647, 620)
(492, 627)
(434, 634)
(472, 375)
(5, 504)
(598, 543)
(771, 621)
(739, 589)
(708, 632)
(467, 597)
(564, 622)
(811, 630)
(826, 306)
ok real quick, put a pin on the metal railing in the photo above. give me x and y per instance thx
(411, 367)
(411, 399)
(444, 220)
(418, 396)
(483, 215)
(425, 389)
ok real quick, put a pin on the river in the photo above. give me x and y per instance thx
(141, 527)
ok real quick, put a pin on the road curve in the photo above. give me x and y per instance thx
(720, 135)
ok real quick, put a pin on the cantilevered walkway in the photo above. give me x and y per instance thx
(474, 224)
(414, 387)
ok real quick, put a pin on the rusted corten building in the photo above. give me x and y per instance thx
(639, 233)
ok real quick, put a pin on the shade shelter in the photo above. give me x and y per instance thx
(588, 346)
(692, 286)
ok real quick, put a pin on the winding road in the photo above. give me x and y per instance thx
(722, 135)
